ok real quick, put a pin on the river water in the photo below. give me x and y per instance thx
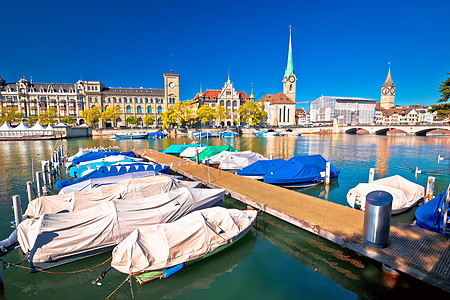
(276, 260)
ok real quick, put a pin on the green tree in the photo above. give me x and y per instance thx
(221, 113)
(111, 113)
(169, 117)
(68, 120)
(252, 113)
(443, 110)
(91, 115)
(205, 114)
(149, 120)
(186, 113)
(31, 121)
(48, 117)
(132, 120)
(10, 115)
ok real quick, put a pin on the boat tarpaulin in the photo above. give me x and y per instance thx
(430, 215)
(78, 169)
(98, 182)
(126, 190)
(99, 154)
(301, 169)
(404, 192)
(55, 239)
(191, 237)
(191, 151)
(177, 149)
(213, 150)
(229, 160)
(114, 170)
(261, 168)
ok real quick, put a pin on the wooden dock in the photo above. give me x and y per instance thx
(412, 250)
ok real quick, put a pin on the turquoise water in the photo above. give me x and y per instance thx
(275, 260)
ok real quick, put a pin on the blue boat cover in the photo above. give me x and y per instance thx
(114, 170)
(177, 149)
(156, 135)
(261, 167)
(100, 154)
(301, 169)
(430, 216)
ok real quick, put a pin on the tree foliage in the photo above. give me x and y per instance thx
(443, 110)
(221, 113)
(149, 120)
(252, 113)
(48, 117)
(205, 114)
(181, 113)
(10, 115)
(91, 115)
(111, 113)
(31, 121)
(68, 120)
(132, 120)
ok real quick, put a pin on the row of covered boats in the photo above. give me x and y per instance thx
(156, 224)
(140, 135)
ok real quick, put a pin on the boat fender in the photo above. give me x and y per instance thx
(172, 270)
(8, 244)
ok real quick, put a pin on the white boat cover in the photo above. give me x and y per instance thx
(126, 190)
(21, 126)
(404, 192)
(109, 159)
(228, 160)
(6, 126)
(55, 239)
(190, 151)
(37, 126)
(193, 236)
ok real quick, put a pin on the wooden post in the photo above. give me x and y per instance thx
(430, 189)
(39, 183)
(44, 173)
(17, 206)
(371, 174)
(271, 156)
(32, 169)
(30, 191)
(196, 156)
(327, 173)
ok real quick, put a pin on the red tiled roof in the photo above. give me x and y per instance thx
(279, 98)
(300, 111)
(213, 95)
(243, 95)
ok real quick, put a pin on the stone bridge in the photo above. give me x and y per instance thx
(383, 129)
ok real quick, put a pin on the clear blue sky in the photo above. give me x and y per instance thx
(341, 48)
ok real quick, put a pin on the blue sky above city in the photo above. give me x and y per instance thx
(341, 48)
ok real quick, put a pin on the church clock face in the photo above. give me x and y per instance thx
(392, 90)
(291, 79)
(384, 90)
(171, 84)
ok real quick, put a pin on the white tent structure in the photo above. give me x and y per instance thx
(49, 127)
(37, 126)
(405, 193)
(21, 127)
(6, 127)
(228, 160)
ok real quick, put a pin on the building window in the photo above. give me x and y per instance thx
(135, 100)
(90, 99)
(151, 100)
(125, 100)
(106, 107)
(142, 100)
(120, 100)
(139, 109)
(222, 103)
(159, 110)
(146, 100)
(290, 88)
(162, 100)
(149, 109)
(114, 99)
(128, 109)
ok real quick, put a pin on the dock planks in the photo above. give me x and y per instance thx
(412, 250)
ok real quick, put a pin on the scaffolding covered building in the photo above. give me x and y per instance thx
(349, 110)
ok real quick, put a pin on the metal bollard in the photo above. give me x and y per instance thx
(271, 156)
(377, 219)
(327, 173)
(30, 191)
(371, 175)
(17, 206)
(39, 184)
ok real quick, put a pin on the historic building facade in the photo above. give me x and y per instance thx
(227, 97)
(280, 107)
(32, 98)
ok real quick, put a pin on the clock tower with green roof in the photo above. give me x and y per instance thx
(289, 79)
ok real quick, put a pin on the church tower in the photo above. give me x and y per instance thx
(289, 79)
(387, 92)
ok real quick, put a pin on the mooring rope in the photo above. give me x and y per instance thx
(126, 279)
(90, 269)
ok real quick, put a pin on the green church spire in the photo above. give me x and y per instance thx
(290, 63)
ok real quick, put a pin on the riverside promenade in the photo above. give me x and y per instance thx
(412, 250)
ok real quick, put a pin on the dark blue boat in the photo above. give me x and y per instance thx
(430, 215)
(100, 154)
(114, 170)
(301, 171)
(156, 135)
(260, 168)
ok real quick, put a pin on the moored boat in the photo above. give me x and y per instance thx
(260, 168)
(134, 135)
(434, 215)
(230, 160)
(159, 251)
